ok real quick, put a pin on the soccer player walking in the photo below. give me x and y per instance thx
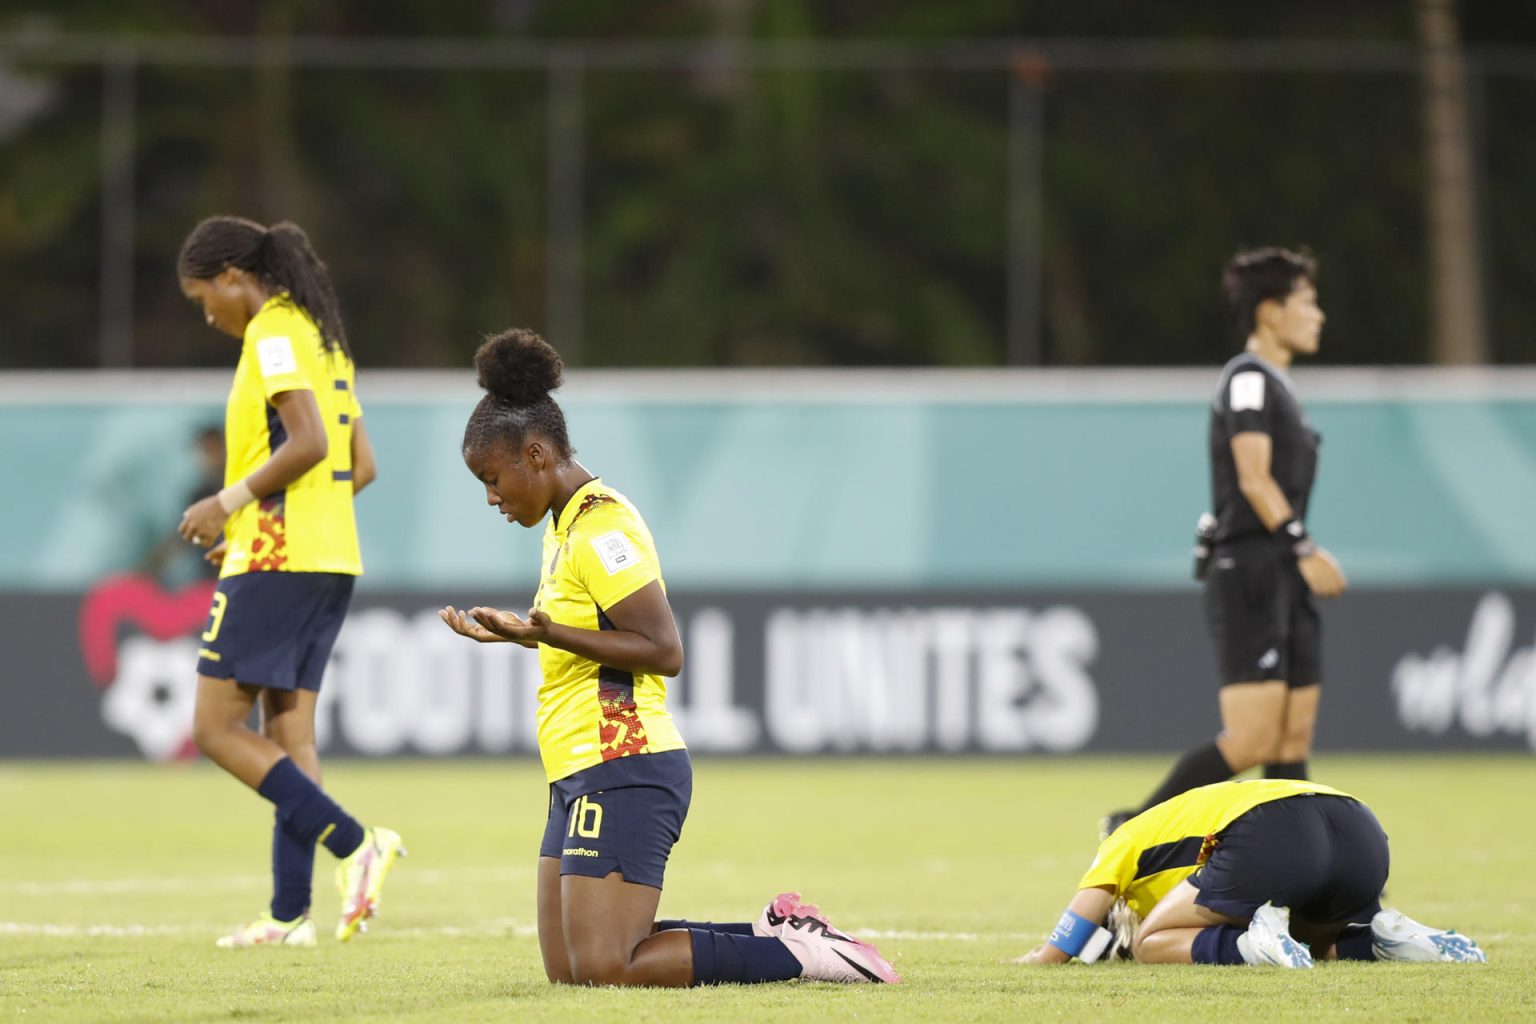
(620, 779)
(1261, 567)
(297, 453)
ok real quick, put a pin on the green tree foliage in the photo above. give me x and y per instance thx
(739, 213)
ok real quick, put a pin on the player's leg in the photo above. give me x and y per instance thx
(1304, 666)
(288, 719)
(1296, 734)
(1169, 933)
(557, 962)
(219, 730)
(608, 938)
(1252, 719)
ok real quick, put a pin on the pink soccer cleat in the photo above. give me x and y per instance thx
(824, 952)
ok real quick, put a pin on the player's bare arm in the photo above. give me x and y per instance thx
(644, 638)
(1252, 451)
(304, 447)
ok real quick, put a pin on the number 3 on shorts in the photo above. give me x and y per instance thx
(215, 616)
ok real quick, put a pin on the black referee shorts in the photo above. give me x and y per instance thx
(1323, 856)
(1260, 615)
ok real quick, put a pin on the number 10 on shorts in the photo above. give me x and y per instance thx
(586, 819)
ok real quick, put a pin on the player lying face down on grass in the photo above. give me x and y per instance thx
(282, 531)
(1267, 871)
(620, 779)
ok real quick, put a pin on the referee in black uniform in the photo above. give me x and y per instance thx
(1261, 568)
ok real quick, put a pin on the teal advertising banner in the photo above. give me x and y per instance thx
(761, 480)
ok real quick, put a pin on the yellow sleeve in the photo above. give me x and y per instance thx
(610, 556)
(1115, 863)
(281, 362)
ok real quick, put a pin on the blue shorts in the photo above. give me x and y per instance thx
(1323, 856)
(274, 629)
(623, 815)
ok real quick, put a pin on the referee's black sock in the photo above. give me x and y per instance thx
(1287, 770)
(1199, 767)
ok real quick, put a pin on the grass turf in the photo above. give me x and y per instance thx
(117, 877)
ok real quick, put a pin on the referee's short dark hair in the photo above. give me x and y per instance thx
(1254, 275)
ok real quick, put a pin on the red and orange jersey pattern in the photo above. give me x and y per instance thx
(621, 732)
(269, 546)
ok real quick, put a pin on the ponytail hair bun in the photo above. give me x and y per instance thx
(518, 367)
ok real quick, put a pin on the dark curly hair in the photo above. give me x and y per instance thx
(518, 369)
(281, 258)
(1258, 274)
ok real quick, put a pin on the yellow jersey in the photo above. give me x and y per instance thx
(1147, 856)
(597, 552)
(308, 526)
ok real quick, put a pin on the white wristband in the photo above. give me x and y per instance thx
(236, 496)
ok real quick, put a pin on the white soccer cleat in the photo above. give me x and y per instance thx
(267, 930)
(1268, 940)
(824, 952)
(1396, 936)
(360, 877)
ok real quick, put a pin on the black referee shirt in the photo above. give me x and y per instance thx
(1253, 396)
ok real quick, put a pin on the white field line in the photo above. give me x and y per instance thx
(121, 886)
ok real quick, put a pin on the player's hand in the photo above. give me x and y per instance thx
(203, 521)
(462, 624)
(1043, 954)
(528, 632)
(1322, 573)
(215, 554)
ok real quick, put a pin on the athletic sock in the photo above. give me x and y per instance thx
(1287, 770)
(708, 926)
(1198, 767)
(307, 811)
(1354, 943)
(293, 871)
(727, 957)
(1218, 945)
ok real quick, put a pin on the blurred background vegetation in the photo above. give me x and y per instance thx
(752, 182)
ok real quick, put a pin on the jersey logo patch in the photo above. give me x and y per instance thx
(616, 552)
(1247, 391)
(276, 356)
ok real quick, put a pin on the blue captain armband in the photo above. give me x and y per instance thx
(1077, 936)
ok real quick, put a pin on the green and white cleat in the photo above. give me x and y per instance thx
(360, 877)
(267, 930)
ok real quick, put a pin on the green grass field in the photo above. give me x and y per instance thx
(117, 878)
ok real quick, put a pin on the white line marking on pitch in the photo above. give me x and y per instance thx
(117, 886)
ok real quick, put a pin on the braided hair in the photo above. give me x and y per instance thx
(518, 369)
(281, 258)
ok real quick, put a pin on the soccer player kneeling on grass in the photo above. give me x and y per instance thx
(1267, 871)
(620, 779)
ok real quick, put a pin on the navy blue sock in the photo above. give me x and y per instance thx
(1286, 770)
(293, 871)
(1354, 943)
(727, 957)
(307, 811)
(708, 926)
(1217, 945)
